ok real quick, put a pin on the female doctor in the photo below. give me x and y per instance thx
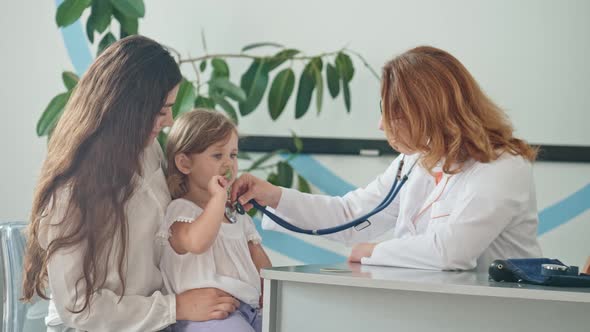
(469, 199)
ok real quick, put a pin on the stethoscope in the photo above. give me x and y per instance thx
(398, 183)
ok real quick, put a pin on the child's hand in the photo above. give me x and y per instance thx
(217, 186)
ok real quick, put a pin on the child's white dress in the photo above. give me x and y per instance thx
(227, 264)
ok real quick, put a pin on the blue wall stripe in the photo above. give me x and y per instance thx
(75, 42)
(320, 176)
(565, 210)
(296, 248)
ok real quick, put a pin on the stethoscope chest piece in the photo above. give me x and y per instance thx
(230, 213)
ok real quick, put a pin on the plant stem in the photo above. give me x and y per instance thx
(198, 75)
(248, 56)
(174, 51)
(260, 168)
(364, 61)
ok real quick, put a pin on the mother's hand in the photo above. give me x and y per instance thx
(248, 187)
(202, 304)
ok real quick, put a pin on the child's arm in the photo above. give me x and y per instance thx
(261, 261)
(196, 237)
(259, 256)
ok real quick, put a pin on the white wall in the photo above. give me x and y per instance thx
(530, 56)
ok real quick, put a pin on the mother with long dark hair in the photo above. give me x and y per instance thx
(101, 196)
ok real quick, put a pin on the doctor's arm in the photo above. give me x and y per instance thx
(321, 211)
(487, 205)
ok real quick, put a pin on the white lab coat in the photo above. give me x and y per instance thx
(487, 211)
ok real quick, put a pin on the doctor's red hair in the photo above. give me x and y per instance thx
(443, 112)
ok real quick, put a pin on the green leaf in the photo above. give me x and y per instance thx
(204, 102)
(253, 82)
(203, 65)
(273, 178)
(52, 113)
(244, 155)
(279, 58)
(306, 86)
(280, 92)
(70, 11)
(70, 79)
(345, 67)
(90, 29)
(252, 213)
(255, 45)
(220, 68)
(265, 158)
(297, 142)
(129, 25)
(229, 89)
(101, 14)
(285, 174)
(303, 185)
(333, 80)
(319, 84)
(227, 107)
(346, 91)
(107, 40)
(185, 99)
(130, 8)
(261, 160)
(317, 62)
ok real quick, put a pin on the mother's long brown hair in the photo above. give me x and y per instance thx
(443, 113)
(93, 155)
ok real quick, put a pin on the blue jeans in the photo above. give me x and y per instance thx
(245, 319)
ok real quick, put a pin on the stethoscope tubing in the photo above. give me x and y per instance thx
(389, 198)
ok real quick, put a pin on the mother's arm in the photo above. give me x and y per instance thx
(110, 312)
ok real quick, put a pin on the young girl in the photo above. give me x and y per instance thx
(203, 247)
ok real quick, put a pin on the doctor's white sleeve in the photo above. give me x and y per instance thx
(108, 311)
(493, 197)
(311, 211)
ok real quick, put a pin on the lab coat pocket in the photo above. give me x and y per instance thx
(441, 210)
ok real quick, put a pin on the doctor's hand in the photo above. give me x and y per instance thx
(361, 250)
(248, 187)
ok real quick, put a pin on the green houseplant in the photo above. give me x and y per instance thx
(213, 87)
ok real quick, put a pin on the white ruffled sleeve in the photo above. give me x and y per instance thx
(179, 210)
(250, 230)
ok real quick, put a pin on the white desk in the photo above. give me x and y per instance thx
(373, 298)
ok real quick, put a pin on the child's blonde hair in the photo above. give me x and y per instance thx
(193, 132)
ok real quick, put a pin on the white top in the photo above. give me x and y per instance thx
(226, 265)
(461, 283)
(486, 212)
(143, 306)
